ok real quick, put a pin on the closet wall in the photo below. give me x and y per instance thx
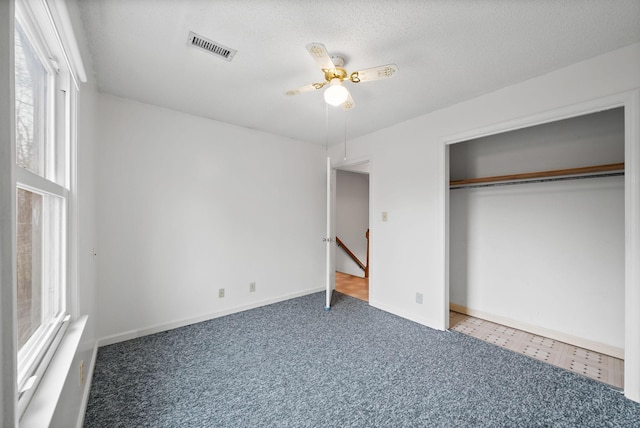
(547, 256)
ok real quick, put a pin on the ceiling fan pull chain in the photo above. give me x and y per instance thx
(326, 126)
(345, 135)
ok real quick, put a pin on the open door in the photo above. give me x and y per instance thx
(330, 233)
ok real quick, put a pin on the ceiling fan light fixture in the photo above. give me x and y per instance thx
(336, 94)
(334, 76)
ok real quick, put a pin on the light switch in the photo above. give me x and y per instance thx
(385, 217)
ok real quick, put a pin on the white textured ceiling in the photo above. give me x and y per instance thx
(446, 51)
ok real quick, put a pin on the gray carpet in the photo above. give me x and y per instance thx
(292, 364)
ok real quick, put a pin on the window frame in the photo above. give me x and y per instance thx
(36, 21)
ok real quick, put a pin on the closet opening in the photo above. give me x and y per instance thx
(537, 241)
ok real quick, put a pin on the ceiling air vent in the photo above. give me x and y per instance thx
(215, 48)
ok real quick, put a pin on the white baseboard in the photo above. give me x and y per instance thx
(87, 387)
(541, 331)
(133, 334)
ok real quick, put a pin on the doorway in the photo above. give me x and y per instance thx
(352, 255)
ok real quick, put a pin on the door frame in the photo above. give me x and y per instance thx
(352, 162)
(631, 102)
(330, 251)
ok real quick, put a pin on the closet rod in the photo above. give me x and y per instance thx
(609, 170)
(536, 180)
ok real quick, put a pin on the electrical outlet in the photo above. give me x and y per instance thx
(81, 372)
(221, 293)
(385, 216)
(419, 298)
(252, 287)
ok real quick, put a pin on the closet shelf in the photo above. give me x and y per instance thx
(613, 169)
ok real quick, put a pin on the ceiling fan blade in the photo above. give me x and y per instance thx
(375, 73)
(308, 88)
(348, 104)
(319, 53)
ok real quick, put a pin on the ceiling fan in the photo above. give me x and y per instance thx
(336, 94)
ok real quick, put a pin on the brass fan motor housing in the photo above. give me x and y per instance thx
(335, 73)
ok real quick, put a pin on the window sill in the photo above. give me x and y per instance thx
(40, 409)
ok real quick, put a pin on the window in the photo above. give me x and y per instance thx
(31, 104)
(43, 106)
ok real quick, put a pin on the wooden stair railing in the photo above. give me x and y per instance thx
(346, 249)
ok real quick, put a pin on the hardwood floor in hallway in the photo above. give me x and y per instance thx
(353, 286)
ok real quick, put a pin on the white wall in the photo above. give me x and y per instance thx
(587, 140)
(408, 252)
(352, 219)
(189, 205)
(549, 255)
